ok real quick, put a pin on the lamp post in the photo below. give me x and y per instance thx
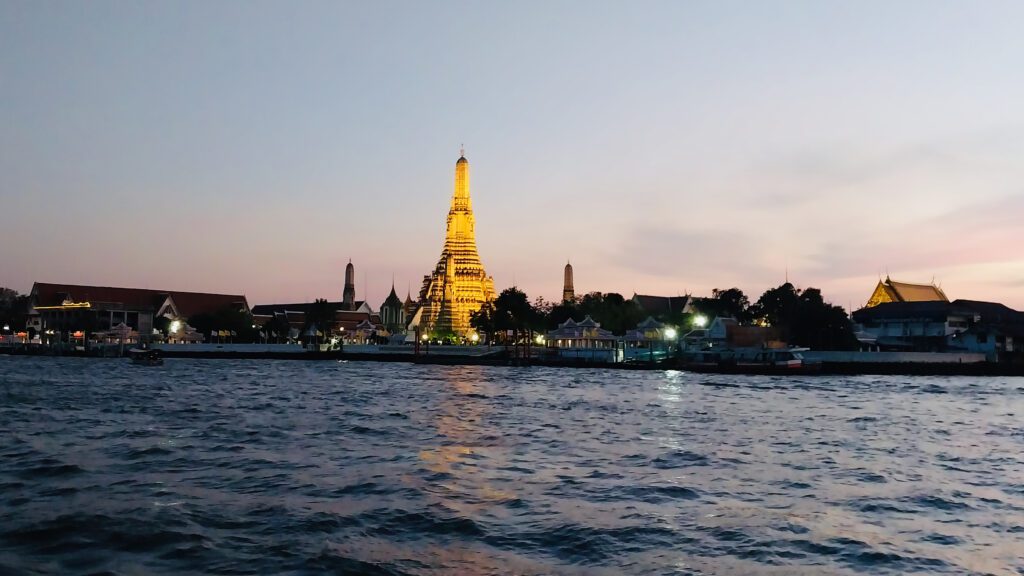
(670, 337)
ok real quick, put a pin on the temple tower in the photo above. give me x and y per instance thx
(458, 286)
(568, 292)
(348, 297)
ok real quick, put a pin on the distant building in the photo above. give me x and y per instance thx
(348, 297)
(664, 307)
(889, 291)
(458, 285)
(939, 326)
(347, 325)
(95, 310)
(568, 291)
(392, 313)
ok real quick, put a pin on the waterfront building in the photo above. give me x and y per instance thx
(584, 340)
(725, 333)
(889, 291)
(128, 313)
(343, 325)
(656, 339)
(937, 326)
(458, 285)
(568, 291)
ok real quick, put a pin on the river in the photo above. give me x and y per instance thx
(290, 467)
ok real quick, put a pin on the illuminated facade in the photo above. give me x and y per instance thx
(889, 291)
(458, 286)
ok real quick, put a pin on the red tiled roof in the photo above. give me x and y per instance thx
(187, 303)
(192, 303)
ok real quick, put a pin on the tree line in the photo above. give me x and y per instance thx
(801, 317)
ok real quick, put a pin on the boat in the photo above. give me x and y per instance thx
(763, 361)
(146, 356)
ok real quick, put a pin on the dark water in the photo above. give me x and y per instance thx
(259, 467)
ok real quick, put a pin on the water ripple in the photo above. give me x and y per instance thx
(245, 467)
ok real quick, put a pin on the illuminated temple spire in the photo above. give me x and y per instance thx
(458, 285)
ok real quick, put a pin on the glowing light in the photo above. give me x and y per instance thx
(67, 304)
(539, 339)
(425, 338)
(175, 326)
(670, 333)
(474, 337)
(700, 320)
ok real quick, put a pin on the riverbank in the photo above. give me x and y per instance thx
(504, 358)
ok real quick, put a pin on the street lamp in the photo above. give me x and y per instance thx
(700, 320)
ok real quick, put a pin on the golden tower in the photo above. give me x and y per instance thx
(458, 286)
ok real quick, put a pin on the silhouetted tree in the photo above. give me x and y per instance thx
(13, 309)
(320, 316)
(805, 319)
(731, 302)
(227, 318)
(277, 328)
(611, 310)
(482, 321)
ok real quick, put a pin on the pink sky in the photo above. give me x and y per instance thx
(236, 148)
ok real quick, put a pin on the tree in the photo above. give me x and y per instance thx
(227, 318)
(13, 309)
(277, 328)
(805, 319)
(512, 311)
(320, 316)
(482, 321)
(731, 302)
(612, 311)
(777, 306)
(559, 313)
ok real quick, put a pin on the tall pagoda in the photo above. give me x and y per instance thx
(458, 286)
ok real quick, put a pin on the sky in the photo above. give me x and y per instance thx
(661, 147)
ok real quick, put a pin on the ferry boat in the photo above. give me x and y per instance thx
(761, 361)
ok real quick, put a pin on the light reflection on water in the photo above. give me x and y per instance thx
(403, 469)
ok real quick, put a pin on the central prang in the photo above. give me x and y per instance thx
(458, 286)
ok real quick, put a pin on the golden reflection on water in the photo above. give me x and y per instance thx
(469, 448)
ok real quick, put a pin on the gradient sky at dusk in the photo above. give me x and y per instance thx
(664, 148)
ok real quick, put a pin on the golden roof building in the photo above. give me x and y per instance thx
(458, 286)
(889, 291)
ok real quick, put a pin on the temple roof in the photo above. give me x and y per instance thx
(392, 300)
(186, 303)
(662, 305)
(266, 309)
(906, 292)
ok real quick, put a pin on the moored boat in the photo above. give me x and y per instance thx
(146, 356)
